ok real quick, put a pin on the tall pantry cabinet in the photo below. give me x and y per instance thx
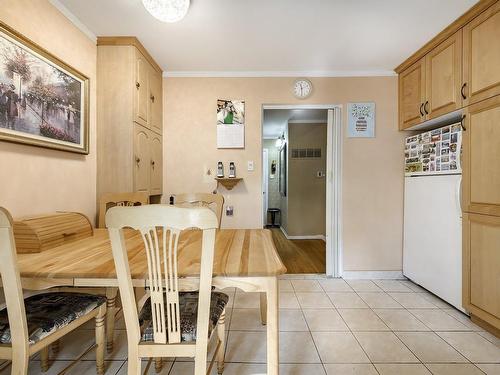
(460, 70)
(129, 118)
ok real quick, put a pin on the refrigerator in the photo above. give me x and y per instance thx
(432, 245)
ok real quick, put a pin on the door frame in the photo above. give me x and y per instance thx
(265, 185)
(334, 266)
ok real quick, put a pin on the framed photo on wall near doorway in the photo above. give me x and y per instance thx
(282, 170)
(43, 101)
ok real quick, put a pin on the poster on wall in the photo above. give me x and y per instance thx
(361, 120)
(43, 101)
(230, 123)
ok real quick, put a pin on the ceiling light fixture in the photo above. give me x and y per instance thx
(167, 10)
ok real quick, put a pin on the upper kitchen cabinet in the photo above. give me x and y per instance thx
(141, 96)
(412, 95)
(155, 101)
(482, 56)
(481, 153)
(443, 78)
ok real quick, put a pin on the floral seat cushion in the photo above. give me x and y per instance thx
(48, 312)
(188, 306)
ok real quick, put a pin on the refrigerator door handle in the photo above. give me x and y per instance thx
(458, 195)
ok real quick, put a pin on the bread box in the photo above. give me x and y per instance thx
(39, 233)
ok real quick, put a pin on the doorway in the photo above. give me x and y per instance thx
(301, 185)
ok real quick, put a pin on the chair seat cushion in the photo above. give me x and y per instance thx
(48, 312)
(188, 309)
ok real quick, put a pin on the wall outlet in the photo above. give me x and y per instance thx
(250, 165)
(229, 210)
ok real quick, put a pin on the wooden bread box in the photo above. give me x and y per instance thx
(39, 233)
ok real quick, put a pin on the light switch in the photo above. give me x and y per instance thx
(250, 165)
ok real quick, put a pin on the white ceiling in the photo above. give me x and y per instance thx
(275, 120)
(276, 37)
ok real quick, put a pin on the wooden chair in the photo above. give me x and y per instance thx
(30, 325)
(202, 200)
(109, 200)
(171, 331)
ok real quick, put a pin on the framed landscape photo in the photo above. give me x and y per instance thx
(43, 101)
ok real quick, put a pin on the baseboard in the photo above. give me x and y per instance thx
(309, 237)
(388, 275)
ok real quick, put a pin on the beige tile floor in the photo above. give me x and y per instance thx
(356, 327)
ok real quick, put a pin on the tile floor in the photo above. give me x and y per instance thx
(356, 327)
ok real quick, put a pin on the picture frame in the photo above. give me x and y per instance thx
(44, 102)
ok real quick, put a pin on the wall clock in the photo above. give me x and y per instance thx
(302, 88)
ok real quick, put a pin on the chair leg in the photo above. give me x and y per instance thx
(134, 362)
(44, 359)
(110, 317)
(19, 365)
(55, 347)
(99, 339)
(221, 333)
(158, 364)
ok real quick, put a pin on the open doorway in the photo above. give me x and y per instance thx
(299, 197)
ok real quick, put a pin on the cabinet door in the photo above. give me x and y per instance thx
(481, 157)
(482, 56)
(481, 262)
(444, 77)
(156, 164)
(155, 100)
(412, 95)
(142, 162)
(141, 99)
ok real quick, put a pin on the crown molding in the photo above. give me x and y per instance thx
(262, 74)
(74, 20)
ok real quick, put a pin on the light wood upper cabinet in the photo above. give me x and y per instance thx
(156, 164)
(412, 95)
(142, 158)
(481, 157)
(482, 56)
(141, 89)
(155, 101)
(444, 77)
(481, 271)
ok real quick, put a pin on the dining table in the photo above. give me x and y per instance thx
(244, 258)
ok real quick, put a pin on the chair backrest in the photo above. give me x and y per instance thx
(202, 200)
(12, 287)
(160, 227)
(109, 200)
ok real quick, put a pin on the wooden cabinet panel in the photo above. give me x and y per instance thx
(155, 95)
(156, 164)
(142, 90)
(482, 56)
(411, 95)
(481, 157)
(142, 162)
(481, 266)
(444, 77)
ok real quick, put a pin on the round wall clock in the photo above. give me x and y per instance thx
(302, 88)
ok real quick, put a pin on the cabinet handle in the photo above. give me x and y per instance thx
(425, 107)
(420, 109)
(152, 97)
(137, 84)
(137, 160)
(462, 90)
(153, 163)
(462, 123)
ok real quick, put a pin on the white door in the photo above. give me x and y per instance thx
(265, 179)
(432, 247)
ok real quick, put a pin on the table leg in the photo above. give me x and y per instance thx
(110, 317)
(272, 326)
(263, 308)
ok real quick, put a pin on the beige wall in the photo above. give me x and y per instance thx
(36, 180)
(306, 193)
(372, 189)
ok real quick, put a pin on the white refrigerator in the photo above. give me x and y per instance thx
(432, 248)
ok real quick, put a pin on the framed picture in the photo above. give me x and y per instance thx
(361, 120)
(43, 101)
(282, 171)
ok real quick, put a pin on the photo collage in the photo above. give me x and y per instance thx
(437, 150)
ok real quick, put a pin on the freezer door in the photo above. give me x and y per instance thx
(432, 247)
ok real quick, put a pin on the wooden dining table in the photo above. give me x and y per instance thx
(244, 258)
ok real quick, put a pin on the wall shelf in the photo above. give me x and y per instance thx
(228, 183)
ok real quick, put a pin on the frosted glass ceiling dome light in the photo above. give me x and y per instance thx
(167, 10)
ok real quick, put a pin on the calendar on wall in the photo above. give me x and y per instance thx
(230, 123)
